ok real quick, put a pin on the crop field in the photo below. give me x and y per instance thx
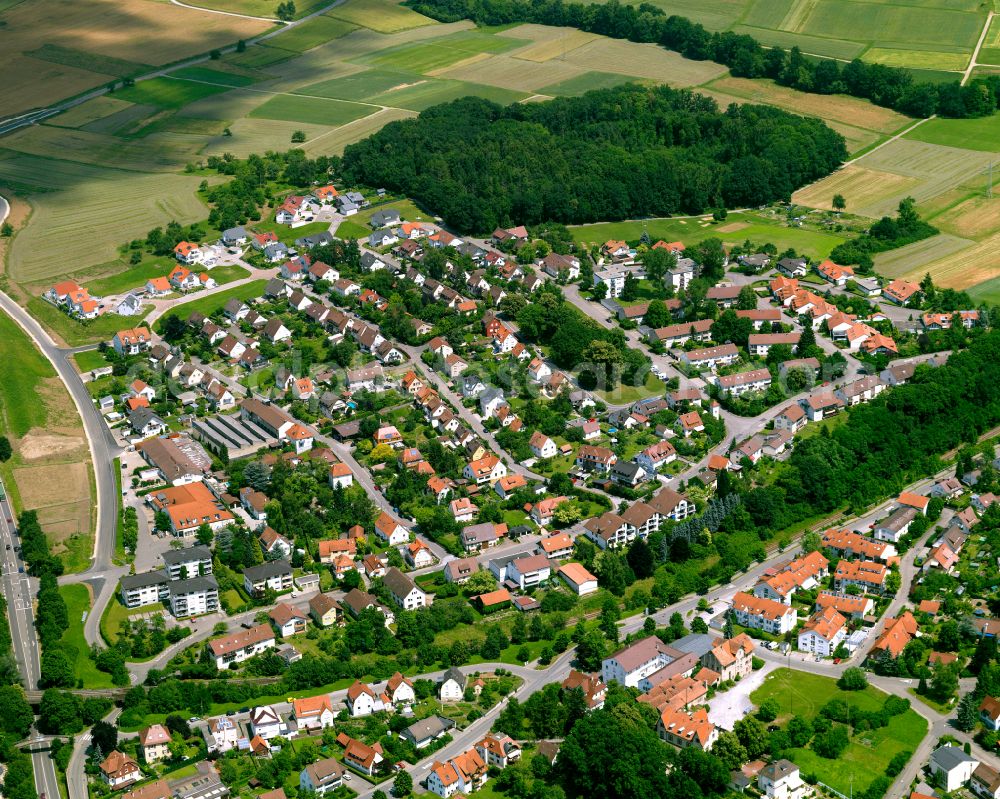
(835, 108)
(912, 260)
(89, 112)
(360, 85)
(169, 92)
(262, 8)
(509, 72)
(737, 228)
(76, 202)
(56, 49)
(312, 110)
(426, 57)
(157, 153)
(904, 168)
(384, 16)
(970, 266)
(585, 82)
(315, 32)
(427, 93)
(643, 61)
(973, 217)
(860, 186)
(918, 59)
(971, 134)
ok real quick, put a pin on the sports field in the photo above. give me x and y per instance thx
(869, 752)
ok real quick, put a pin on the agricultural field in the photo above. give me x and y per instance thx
(868, 753)
(737, 228)
(384, 16)
(934, 35)
(912, 260)
(74, 202)
(56, 50)
(971, 134)
(859, 122)
(49, 471)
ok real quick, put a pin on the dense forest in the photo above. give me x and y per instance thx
(892, 87)
(609, 154)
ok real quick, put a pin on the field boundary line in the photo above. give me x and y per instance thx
(224, 13)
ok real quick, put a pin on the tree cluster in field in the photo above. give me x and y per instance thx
(892, 87)
(886, 234)
(616, 153)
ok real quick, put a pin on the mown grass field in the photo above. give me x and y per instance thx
(50, 468)
(803, 694)
(426, 57)
(737, 228)
(77, 599)
(75, 203)
(169, 92)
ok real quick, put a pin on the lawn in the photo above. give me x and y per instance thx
(168, 92)
(77, 599)
(89, 360)
(625, 395)
(77, 332)
(130, 277)
(212, 302)
(20, 410)
(349, 229)
(801, 693)
(116, 613)
(310, 110)
(734, 230)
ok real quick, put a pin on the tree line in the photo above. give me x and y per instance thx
(610, 154)
(891, 87)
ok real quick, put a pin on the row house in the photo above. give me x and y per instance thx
(758, 613)
(864, 574)
(759, 344)
(744, 382)
(711, 357)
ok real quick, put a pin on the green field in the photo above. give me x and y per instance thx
(736, 229)
(970, 134)
(625, 395)
(19, 390)
(586, 82)
(432, 92)
(311, 110)
(313, 33)
(803, 694)
(130, 276)
(76, 332)
(443, 52)
(918, 59)
(988, 292)
(359, 86)
(207, 75)
(213, 302)
(77, 599)
(74, 202)
(262, 8)
(168, 92)
(384, 16)
(89, 360)
(94, 62)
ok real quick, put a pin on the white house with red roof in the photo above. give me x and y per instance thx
(187, 252)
